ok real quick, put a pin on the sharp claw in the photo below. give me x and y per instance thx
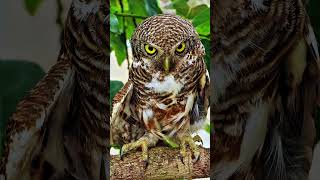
(187, 140)
(141, 143)
(181, 158)
(145, 164)
(121, 153)
(201, 142)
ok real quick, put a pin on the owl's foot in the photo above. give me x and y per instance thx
(144, 142)
(186, 140)
(197, 138)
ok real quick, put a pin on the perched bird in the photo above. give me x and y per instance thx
(265, 87)
(60, 130)
(166, 96)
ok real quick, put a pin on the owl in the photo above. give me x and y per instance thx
(60, 129)
(166, 96)
(265, 88)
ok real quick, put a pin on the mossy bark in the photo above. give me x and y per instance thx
(164, 163)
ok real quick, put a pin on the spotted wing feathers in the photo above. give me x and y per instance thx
(26, 130)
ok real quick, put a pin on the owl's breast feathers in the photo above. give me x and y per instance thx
(164, 103)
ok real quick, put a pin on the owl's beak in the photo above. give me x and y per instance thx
(166, 64)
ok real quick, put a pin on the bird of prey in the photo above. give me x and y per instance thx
(265, 88)
(166, 96)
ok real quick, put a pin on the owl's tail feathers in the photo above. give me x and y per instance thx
(284, 158)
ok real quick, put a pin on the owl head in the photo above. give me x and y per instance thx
(164, 43)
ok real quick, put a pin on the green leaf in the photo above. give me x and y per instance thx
(204, 29)
(170, 142)
(114, 23)
(138, 7)
(32, 6)
(115, 6)
(207, 128)
(152, 7)
(116, 146)
(125, 4)
(130, 27)
(118, 45)
(17, 78)
(182, 7)
(115, 87)
(196, 10)
(202, 17)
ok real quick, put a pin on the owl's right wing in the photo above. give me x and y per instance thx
(33, 132)
(124, 126)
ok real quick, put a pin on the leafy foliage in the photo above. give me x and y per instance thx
(126, 15)
(208, 128)
(32, 6)
(17, 78)
(115, 86)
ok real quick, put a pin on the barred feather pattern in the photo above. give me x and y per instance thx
(155, 102)
(26, 126)
(60, 130)
(87, 45)
(265, 78)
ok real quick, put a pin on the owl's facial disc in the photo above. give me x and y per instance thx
(170, 58)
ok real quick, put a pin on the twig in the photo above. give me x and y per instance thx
(130, 15)
(164, 163)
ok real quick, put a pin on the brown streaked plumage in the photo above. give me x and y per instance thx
(166, 94)
(60, 130)
(265, 78)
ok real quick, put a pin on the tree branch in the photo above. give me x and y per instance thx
(164, 163)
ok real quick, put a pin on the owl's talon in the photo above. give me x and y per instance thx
(181, 158)
(188, 140)
(197, 138)
(142, 143)
(145, 164)
(121, 153)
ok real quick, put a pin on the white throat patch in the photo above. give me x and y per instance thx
(169, 85)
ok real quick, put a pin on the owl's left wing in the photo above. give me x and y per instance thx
(201, 105)
(36, 122)
(122, 122)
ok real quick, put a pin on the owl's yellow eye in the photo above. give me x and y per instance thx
(149, 49)
(181, 47)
